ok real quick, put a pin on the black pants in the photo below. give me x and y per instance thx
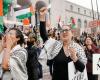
(92, 77)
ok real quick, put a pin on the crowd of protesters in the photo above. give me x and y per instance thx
(23, 52)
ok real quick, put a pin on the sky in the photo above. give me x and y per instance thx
(87, 3)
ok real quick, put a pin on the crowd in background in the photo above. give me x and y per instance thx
(20, 49)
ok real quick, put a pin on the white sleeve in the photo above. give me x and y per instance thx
(46, 51)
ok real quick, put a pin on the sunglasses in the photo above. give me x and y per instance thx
(64, 30)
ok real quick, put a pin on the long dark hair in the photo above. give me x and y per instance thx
(94, 42)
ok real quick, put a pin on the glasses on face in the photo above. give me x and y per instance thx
(64, 30)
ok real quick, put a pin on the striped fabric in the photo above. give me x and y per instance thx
(52, 48)
(24, 13)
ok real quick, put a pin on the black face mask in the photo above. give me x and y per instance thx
(29, 43)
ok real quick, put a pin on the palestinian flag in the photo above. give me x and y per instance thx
(72, 22)
(1, 16)
(6, 6)
(4, 9)
(24, 13)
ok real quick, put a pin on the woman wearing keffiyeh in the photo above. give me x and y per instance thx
(61, 53)
(15, 56)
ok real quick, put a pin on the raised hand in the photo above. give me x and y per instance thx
(9, 42)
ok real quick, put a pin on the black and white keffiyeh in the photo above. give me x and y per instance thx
(52, 48)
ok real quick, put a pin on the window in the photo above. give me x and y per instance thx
(71, 7)
(79, 22)
(85, 23)
(84, 11)
(78, 10)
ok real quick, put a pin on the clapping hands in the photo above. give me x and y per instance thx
(73, 54)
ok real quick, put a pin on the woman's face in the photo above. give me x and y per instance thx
(12, 34)
(88, 41)
(43, 11)
(66, 34)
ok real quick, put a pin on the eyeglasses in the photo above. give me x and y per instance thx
(64, 30)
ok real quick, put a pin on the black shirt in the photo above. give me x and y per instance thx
(60, 66)
(43, 32)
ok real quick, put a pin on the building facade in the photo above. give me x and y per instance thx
(67, 10)
(82, 16)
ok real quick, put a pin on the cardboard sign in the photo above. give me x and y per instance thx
(96, 64)
(75, 74)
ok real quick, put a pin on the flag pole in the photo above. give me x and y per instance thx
(92, 9)
(97, 13)
(97, 9)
